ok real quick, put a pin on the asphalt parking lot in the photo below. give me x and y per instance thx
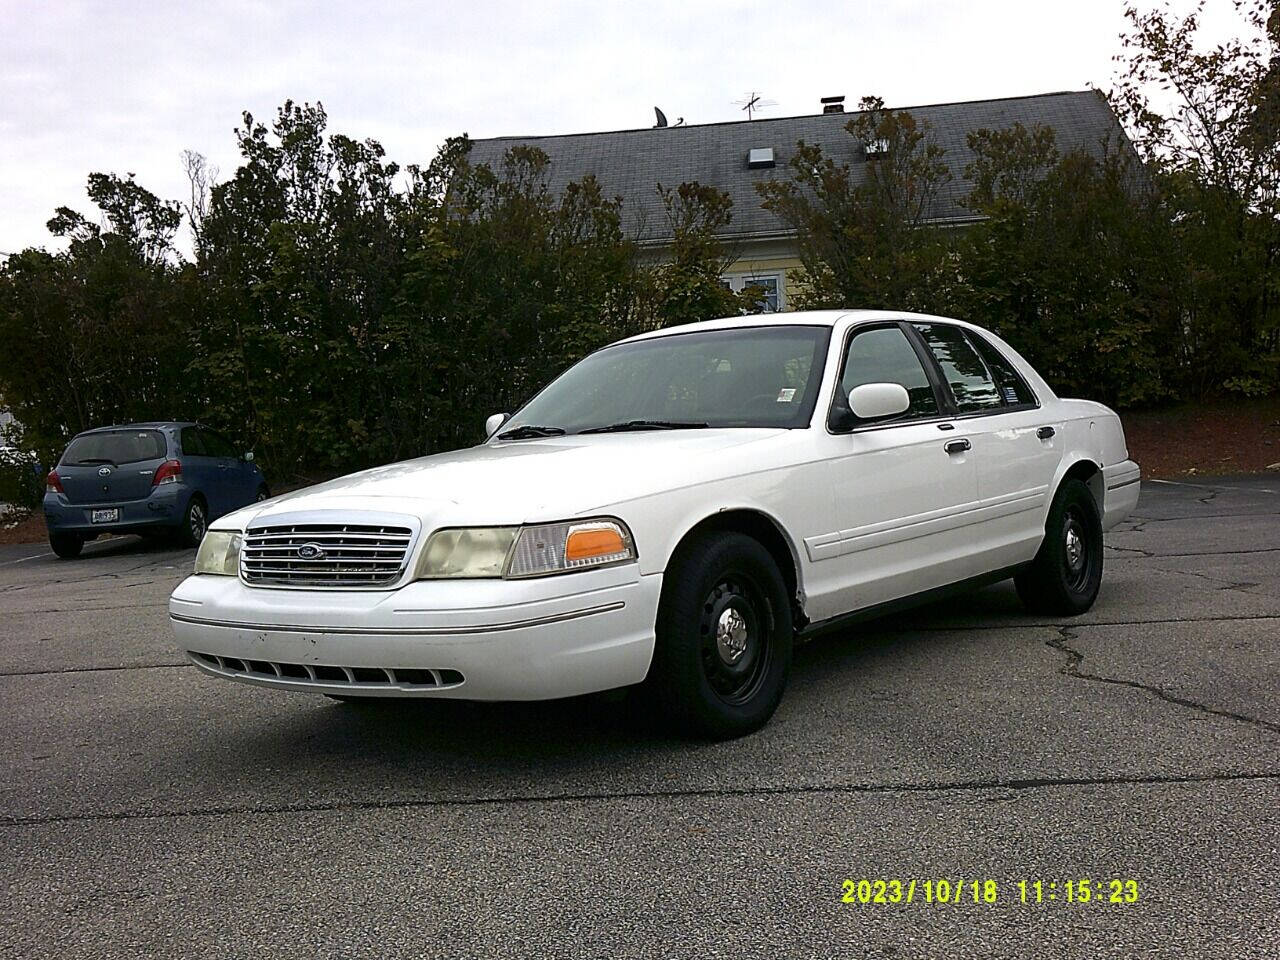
(146, 810)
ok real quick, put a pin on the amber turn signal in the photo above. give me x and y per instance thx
(594, 542)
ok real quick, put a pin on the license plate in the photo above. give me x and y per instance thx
(106, 516)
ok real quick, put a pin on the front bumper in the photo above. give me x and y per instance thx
(163, 508)
(467, 639)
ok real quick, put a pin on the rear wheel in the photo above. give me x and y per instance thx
(66, 545)
(195, 520)
(724, 637)
(263, 494)
(1066, 574)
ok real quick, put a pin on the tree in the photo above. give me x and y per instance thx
(1070, 263)
(858, 228)
(93, 335)
(685, 285)
(1206, 121)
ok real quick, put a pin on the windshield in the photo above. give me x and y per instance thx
(118, 446)
(742, 377)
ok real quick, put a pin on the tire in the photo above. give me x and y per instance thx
(66, 545)
(1064, 578)
(262, 494)
(724, 638)
(195, 521)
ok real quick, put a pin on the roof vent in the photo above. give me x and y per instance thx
(760, 157)
(833, 104)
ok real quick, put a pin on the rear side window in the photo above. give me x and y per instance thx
(218, 445)
(193, 442)
(970, 381)
(1013, 389)
(884, 355)
(116, 446)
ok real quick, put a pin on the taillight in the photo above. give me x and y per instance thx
(53, 483)
(168, 472)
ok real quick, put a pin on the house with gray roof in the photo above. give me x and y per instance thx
(735, 156)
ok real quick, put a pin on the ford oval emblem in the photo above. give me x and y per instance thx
(311, 551)
(104, 472)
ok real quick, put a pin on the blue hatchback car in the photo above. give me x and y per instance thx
(146, 478)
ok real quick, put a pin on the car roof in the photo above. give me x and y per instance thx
(147, 425)
(810, 318)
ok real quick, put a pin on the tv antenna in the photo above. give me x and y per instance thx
(754, 102)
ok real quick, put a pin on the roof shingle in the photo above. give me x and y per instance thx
(631, 163)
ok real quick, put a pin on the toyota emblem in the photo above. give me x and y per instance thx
(104, 472)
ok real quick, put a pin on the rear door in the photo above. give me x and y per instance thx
(112, 466)
(200, 470)
(235, 475)
(998, 413)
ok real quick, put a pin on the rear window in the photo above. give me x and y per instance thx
(117, 446)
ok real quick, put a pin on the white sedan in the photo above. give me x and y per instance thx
(672, 512)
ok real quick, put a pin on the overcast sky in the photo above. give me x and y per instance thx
(125, 86)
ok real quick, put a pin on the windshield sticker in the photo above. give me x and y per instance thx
(786, 394)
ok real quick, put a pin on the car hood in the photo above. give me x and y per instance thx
(520, 481)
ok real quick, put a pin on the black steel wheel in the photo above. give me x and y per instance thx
(724, 637)
(1066, 574)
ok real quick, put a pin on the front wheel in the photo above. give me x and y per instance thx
(66, 545)
(724, 637)
(1066, 574)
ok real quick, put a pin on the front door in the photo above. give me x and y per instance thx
(901, 491)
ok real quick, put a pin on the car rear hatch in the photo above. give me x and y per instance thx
(111, 466)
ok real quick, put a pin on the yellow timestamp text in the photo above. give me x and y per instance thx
(961, 890)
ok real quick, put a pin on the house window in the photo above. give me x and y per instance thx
(772, 297)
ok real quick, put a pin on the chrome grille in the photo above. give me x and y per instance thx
(324, 554)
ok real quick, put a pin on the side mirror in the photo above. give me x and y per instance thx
(248, 457)
(494, 422)
(866, 404)
(876, 401)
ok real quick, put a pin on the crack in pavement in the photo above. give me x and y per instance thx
(1196, 553)
(162, 605)
(959, 786)
(1091, 623)
(135, 666)
(1135, 524)
(1072, 669)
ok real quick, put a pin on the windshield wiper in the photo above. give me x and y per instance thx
(88, 460)
(646, 425)
(528, 431)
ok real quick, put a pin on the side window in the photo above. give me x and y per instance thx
(217, 444)
(1013, 389)
(885, 355)
(193, 442)
(962, 368)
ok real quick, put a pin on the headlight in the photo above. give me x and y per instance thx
(219, 553)
(512, 552)
(466, 552)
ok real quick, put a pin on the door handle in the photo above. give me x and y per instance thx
(957, 446)
(1044, 433)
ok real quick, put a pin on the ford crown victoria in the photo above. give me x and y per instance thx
(671, 513)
